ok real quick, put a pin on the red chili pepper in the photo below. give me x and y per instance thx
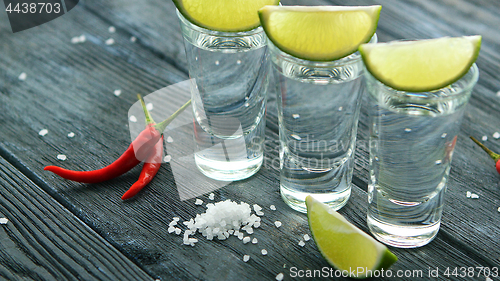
(140, 149)
(149, 170)
(493, 155)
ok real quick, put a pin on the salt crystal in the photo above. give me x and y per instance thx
(71, 135)
(496, 135)
(277, 223)
(443, 135)
(468, 194)
(256, 207)
(498, 94)
(295, 116)
(170, 139)
(132, 118)
(256, 224)
(167, 158)
(22, 76)
(171, 229)
(279, 277)
(43, 132)
(474, 196)
(61, 157)
(240, 236)
(246, 240)
(438, 162)
(133, 39)
(211, 196)
(176, 218)
(301, 243)
(498, 209)
(149, 106)
(295, 136)
(255, 241)
(177, 231)
(272, 207)
(75, 40)
(198, 202)
(110, 41)
(172, 223)
(259, 213)
(407, 130)
(111, 29)
(306, 237)
(264, 252)
(484, 138)
(246, 258)
(82, 38)
(117, 92)
(4, 220)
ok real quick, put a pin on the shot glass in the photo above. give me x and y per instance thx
(318, 108)
(229, 70)
(412, 137)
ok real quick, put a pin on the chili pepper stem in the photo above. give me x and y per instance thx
(149, 118)
(493, 155)
(163, 124)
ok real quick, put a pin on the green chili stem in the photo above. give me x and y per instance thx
(163, 124)
(149, 118)
(492, 154)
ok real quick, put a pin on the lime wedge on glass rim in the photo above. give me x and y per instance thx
(222, 15)
(342, 244)
(421, 65)
(319, 33)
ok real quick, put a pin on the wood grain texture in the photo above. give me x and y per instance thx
(43, 241)
(69, 88)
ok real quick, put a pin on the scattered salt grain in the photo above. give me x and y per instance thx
(171, 229)
(71, 135)
(296, 137)
(170, 139)
(484, 138)
(198, 202)
(4, 220)
(277, 223)
(43, 132)
(407, 130)
(82, 38)
(61, 157)
(149, 106)
(246, 240)
(498, 94)
(246, 258)
(295, 116)
(75, 40)
(111, 29)
(498, 209)
(22, 76)
(256, 207)
(256, 224)
(133, 39)
(132, 118)
(117, 92)
(496, 135)
(240, 236)
(172, 223)
(474, 196)
(301, 243)
(255, 241)
(263, 252)
(211, 196)
(167, 158)
(279, 277)
(306, 237)
(109, 41)
(272, 207)
(468, 194)
(178, 231)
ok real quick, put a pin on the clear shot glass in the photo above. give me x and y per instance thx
(229, 70)
(318, 107)
(412, 137)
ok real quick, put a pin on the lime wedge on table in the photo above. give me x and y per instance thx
(343, 245)
(319, 33)
(421, 65)
(223, 15)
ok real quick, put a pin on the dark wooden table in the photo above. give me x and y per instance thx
(60, 230)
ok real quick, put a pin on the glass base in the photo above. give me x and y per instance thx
(228, 170)
(402, 236)
(296, 200)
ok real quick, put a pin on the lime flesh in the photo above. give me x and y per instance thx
(421, 65)
(220, 15)
(343, 245)
(319, 33)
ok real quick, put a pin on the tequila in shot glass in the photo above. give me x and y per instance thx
(412, 137)
(229, 99)
(318, 101)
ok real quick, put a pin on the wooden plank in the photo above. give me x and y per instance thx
(70, 88)
(43, 241)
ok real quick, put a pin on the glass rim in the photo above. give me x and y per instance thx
(349, 59)
(472, 76)
(200, 29)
